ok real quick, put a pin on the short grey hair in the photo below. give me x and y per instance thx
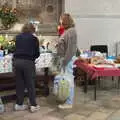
(28, 27)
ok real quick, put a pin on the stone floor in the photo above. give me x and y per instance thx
(106, 107)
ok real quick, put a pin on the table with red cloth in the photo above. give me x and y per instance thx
(93, 72)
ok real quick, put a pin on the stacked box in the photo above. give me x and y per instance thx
(2, 65)
(43, 61)
(6, 64)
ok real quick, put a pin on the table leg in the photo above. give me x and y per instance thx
(99, 79)
(46, 81)
(86, 82)
(118, 82)
(95, 88)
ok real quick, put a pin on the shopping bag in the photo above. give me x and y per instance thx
(61, 87)
(1, 106)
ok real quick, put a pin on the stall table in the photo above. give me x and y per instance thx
(92, 72)
(7, 82)
(43, 62)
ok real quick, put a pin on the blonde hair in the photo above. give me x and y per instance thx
(67, 20)
(28, 27)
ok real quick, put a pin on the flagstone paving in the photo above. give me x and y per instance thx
(106, 107)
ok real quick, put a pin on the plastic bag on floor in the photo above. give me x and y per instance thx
(1, 106)
(64, 81)
(61, 87)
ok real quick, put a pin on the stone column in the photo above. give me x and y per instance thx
(13, 4)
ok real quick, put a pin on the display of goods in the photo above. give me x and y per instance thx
(6, 64)
(43, 61)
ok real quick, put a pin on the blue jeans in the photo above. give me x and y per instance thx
(70, 99)
(69, 69)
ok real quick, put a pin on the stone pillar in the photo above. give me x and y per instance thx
(13, 4)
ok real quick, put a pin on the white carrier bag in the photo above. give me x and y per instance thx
(64, 81)
(62, 86)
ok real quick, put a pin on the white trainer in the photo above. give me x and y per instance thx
(65, 106)
(20, 107)
(34, 108)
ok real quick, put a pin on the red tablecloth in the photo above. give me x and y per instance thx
(94, 72)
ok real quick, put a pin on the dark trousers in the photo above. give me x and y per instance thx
(25, 78)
